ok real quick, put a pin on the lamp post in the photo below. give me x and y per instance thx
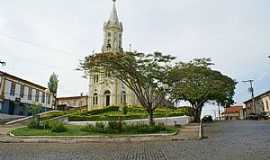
(251, 89)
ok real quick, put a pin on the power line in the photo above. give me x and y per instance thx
(38, 45)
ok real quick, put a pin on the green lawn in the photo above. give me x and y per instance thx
(114, 113)
(77, 131)
(135, 112)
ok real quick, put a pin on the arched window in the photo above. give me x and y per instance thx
(107, 97)
(95, 99)
(123, 98)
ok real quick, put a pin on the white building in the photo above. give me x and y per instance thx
(262, 103)
(65, 103)
(104, 90)
(17, 94)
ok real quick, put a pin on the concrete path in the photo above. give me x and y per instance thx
(234, 140)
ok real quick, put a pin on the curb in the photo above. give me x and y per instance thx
(86, 139)
(11, 138)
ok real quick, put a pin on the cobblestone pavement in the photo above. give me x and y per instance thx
(239, 140)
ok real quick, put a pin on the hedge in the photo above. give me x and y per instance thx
(104, 118)
(103, 110)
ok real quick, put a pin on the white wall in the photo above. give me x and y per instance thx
(25, 99)
(168, 121)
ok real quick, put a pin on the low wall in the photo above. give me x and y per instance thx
(168, 121)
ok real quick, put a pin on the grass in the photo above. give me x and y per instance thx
(112, 114)
(134, 112)
(77, 131)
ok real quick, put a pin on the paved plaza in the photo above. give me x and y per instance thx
(239, 140)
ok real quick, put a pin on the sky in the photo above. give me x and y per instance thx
(38, 38)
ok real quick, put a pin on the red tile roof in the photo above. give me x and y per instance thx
(233, 109)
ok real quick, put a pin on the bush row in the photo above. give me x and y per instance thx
(54, 126)
(120, 127)
(117, 117)
(103, 110)
(104, 117)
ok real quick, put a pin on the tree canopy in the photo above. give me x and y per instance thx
(142, 73)
(53, 86)
(197, 83)
(53, 83)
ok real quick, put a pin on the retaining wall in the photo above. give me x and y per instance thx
(168, 121)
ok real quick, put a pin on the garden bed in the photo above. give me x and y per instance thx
(86, 131)
(115, 113)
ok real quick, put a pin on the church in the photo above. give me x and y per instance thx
(104, 89)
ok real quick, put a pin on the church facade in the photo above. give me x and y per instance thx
(104, 89)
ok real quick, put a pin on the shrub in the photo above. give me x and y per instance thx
(125, 110)
(34, 124)
(52, 115)
(175, 114)
(57, 126)
(88, 128)
(113, 125)
(100, 127)
(86, 118)
(103, 110)
(116, 125)
(144, 128)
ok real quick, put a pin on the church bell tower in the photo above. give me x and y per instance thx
(113, 30)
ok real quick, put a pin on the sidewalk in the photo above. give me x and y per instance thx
(190, 132)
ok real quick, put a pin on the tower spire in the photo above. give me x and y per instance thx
(114, 17)
(113, 32)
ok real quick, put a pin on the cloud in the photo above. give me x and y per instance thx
(235, 34)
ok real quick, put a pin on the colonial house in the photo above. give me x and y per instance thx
(17, 95)
(234, 112)
(262, 103)
(104, 89)
(65, 103)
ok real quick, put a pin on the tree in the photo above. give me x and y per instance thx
(53, 86)
(197, 83)
(142, 73)
(34, 110)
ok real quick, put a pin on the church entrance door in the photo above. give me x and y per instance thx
(107, 98)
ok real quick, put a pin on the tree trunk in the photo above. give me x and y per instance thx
(197, 114)
(54, 102)
(151, 117)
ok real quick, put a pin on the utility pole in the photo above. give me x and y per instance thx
(251, 89)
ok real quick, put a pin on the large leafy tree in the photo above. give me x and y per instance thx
(197, 83)
(142, 73)
(53, 86)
